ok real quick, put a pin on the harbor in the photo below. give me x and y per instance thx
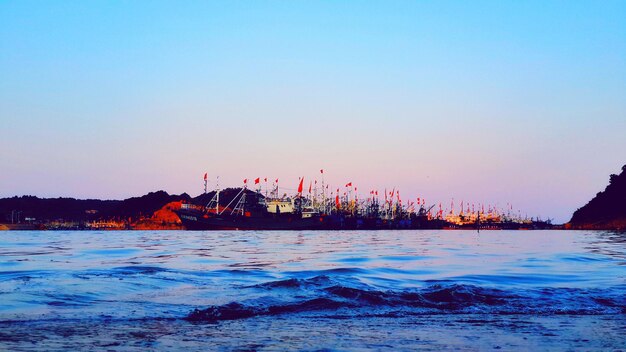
(321, 207)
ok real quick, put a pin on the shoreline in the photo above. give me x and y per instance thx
(179, 227)
(27, 227)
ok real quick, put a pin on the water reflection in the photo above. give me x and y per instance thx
(145, 273)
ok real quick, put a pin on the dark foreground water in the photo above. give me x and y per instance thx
(385, 290)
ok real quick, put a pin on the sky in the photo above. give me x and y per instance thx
(520, 102)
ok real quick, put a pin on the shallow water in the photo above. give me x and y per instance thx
(313, 290)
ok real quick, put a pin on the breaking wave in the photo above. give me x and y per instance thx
(325, 295)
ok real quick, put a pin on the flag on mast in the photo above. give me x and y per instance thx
(300, 185)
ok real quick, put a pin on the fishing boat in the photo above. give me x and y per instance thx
(251, 210)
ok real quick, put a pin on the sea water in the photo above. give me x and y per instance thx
(312, 290)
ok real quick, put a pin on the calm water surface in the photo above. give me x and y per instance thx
(382, 290)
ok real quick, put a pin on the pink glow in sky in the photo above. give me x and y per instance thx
(489, 102)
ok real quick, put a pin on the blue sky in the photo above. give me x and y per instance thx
(488, 101)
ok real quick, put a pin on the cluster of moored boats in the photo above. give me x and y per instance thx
(257, 210)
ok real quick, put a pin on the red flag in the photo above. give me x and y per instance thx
(300, 185)
(257, 180)
(321, 171)
(337, 202)
(265, 179)
(310, 184)
(349, 184)
(245, 181)
(205, 176)
(276, 180)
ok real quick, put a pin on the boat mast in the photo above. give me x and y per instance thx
(323, 192)
(240, 206)
(217, 190)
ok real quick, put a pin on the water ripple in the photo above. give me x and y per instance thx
(169, 274)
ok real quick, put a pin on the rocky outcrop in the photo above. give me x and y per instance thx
(607, 210)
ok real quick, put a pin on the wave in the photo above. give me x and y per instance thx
(324, 295)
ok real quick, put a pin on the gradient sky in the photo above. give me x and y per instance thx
(487, 101)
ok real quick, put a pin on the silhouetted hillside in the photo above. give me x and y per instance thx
(53, 208)
(143, 206)
(607, 210)
(226, 196)
(70, 209)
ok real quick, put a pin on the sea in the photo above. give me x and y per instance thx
(427, 290)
